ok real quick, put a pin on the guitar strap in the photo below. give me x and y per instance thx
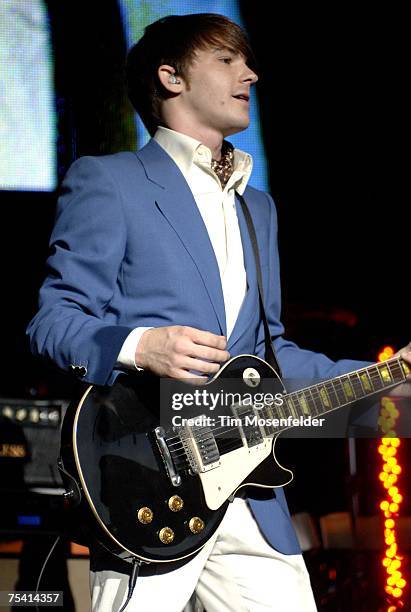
(270, 355)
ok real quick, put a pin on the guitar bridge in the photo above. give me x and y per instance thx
(200, 447)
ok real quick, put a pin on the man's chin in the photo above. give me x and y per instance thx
(236, 129)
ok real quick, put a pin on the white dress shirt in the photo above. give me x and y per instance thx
(217, 208)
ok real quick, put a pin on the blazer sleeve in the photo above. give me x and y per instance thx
(87, 247)
(295, 362)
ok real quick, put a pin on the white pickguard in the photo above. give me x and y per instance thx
(221, 482)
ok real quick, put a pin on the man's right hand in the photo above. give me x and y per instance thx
(173, 351)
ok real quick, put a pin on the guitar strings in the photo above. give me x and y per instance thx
(315, 394)
(313, 399)
(221, 431)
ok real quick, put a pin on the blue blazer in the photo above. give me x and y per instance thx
(129, 248)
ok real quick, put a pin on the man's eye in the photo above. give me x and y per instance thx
(226, 60)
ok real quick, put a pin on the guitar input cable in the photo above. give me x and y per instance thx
(56, 541)
(132, 582)
(137, 563)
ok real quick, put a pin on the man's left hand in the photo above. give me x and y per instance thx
(404, 389)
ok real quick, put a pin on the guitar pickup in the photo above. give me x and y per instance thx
(200, 447)
(252, 433)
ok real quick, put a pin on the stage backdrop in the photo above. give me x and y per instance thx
(27, 115)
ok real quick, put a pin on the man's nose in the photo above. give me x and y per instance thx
(249, 76)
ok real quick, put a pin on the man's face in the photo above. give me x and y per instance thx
(217, 94)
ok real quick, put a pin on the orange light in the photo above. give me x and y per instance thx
(385, 353)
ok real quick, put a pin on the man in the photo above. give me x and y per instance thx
(152, 267)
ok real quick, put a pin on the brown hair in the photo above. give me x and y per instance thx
(173, 40)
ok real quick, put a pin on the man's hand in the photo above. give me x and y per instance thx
(404, 389)
(173, 351)
(405, 353)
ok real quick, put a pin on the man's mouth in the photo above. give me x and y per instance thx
(244, 97)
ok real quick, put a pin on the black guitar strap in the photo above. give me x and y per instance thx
(270, 355)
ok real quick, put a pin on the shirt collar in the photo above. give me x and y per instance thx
(187, 151)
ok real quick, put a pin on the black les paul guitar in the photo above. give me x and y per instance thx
(159, 494)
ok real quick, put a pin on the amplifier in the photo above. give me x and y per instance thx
(30, 442)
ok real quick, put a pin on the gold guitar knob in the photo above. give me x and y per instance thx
(145, 515)
(175, 503)
(196, 524)
(166, 535)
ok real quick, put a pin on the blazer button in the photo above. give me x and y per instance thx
(79, 371)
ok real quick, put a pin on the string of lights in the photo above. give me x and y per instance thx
(390, 505)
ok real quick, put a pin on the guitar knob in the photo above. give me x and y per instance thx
(145, 515)
(196, 524)
(175, 503)
(166, 535)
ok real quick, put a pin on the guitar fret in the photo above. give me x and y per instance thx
(339, 391)
(332, 394)
(292, 405)
(347, 387)
(405, 367)
(304, 403)
(357, 385)
(281, 411)
(396, 371)
(337, 394)
(385, 374)
(376, 378)
(317, 401)
(323, 397)
(311, 402)
(298, 405)
(368, 383)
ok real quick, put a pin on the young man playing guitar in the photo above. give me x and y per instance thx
(152, 268)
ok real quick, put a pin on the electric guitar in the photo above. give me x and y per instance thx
(159, 493)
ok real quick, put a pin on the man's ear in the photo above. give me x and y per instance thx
(169, 80)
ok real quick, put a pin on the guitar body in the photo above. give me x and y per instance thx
(118, 481)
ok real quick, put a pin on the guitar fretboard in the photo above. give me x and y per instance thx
(321, 398)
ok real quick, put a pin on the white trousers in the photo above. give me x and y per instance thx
(236, 571)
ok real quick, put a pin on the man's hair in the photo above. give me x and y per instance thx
(174, 40)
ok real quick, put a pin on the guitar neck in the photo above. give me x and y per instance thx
(328, 395)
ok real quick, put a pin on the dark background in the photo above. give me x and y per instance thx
(330, 93)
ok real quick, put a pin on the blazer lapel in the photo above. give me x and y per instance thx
(177, 204)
